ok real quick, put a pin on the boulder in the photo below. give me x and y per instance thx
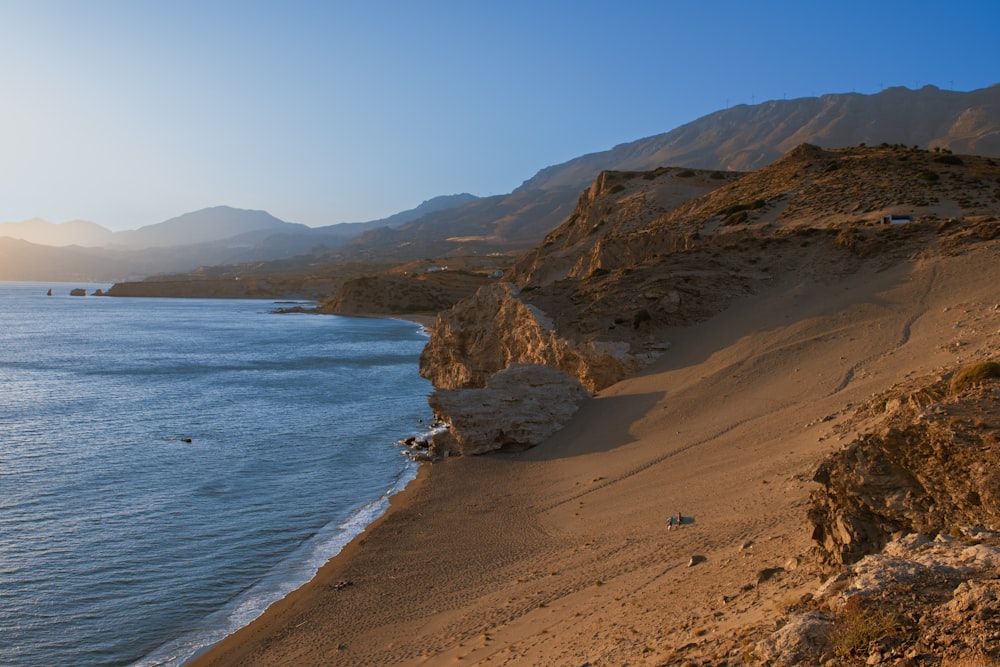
(802, 641)
(520, 407)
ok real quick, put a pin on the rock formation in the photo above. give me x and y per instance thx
(494, 329)
(929, 466)
(520, 407)
(391, 294)
(919, 600)
(645, 252)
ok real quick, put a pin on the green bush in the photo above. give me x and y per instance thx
(928, 175)
(685, 173)
(948, 159)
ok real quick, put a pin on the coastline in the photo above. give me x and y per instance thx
(560, 554)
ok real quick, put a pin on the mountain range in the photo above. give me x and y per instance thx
(739, 138)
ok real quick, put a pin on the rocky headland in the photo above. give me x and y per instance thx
(646, 252)
(907, 516)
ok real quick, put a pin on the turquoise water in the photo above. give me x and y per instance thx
(169, 467)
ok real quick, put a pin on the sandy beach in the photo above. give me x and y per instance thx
(560, 555)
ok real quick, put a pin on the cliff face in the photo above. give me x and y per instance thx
(494, 329)
(615, 204)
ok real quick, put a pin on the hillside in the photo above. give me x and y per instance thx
(742, 138)
(733, 140)
(801, 384)
(746, 138)
(603, 287)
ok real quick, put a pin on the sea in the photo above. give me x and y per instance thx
(171, 467)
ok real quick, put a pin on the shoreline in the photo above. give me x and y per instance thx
(230, 648)
(559, 555)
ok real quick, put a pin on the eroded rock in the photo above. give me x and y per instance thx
(520, 407)
(494, 328)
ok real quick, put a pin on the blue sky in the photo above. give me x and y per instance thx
(130, 112)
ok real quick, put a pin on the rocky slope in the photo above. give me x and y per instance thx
(745, 137)
(907, 517)
(929, 466)
(598, 296)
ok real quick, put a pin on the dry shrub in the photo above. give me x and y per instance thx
(973, 374)
(858, 625)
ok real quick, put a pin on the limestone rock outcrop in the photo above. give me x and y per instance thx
(930, 466)
(917, 601)
(494, 329)
(520, 407)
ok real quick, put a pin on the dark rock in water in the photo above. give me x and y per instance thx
(79, 291)
(98, 292)
(49, 293)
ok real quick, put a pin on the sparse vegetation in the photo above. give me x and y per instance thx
(748, 206)
(656, 173)
(928, 175)
(949, 159)
(685, 173)
(858, 625)
(974, 373)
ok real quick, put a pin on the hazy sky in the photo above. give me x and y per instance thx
(130, 112)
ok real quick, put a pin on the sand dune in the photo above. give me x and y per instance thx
(560, 555)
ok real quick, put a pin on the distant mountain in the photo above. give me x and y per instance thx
(742, 138)
(38, 250)
(433, 205)
(746, 138)
(42, 232)
(204, 226)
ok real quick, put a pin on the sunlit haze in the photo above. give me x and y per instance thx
(127, 113)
